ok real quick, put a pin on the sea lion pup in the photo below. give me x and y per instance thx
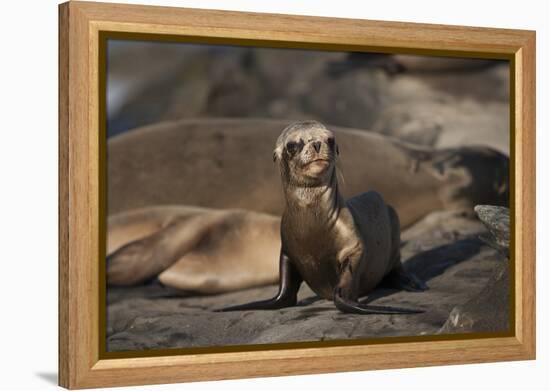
(342, 250)
(193, 249)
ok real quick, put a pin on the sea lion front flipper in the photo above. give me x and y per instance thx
(353, 307)
(289, 284)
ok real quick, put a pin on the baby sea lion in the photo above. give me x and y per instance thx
(341, 249)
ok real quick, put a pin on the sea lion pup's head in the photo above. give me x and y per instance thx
(306, 152)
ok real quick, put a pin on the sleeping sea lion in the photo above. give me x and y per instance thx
(341, 249)
(225, 164)
(193, 249)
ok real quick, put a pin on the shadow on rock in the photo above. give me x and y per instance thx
(432, 263)
(152, 289)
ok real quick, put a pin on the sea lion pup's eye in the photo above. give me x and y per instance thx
(294, 147)
(332, 145)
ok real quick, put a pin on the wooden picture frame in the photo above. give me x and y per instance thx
(81, 196)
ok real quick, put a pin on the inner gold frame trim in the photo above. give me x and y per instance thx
(83, 32)
(104, 37)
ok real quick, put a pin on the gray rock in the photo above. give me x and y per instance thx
(497, 221)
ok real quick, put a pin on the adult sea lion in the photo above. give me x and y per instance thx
(342, 250)
(193, 249)
(224, 163)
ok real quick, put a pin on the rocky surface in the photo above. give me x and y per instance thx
(497, 221)
(443, 249)
(490, 310)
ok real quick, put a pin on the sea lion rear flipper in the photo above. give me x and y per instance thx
(289, 284)
(353, 307)
(401, 279)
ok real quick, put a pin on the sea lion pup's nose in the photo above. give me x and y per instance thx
(317, 146)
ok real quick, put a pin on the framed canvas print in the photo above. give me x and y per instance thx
(247, 195)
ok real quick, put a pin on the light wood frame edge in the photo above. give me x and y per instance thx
(79, 363)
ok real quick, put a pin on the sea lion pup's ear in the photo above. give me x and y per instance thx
(279, 146)
(277, 153)
(281, 140)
